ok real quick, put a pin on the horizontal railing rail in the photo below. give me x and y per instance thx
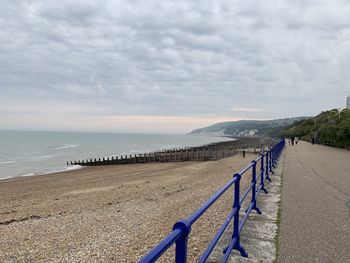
(260, 168)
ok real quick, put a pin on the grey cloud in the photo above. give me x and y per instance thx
(183, 57)
(76, 13)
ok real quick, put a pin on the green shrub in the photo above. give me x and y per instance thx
(330, 127)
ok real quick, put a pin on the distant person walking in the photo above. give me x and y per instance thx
(292, 139)
(313, 140)
(243, 153)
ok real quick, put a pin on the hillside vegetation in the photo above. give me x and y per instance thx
(269, 128)
(329, 127)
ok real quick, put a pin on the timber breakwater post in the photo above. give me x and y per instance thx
(213, 151)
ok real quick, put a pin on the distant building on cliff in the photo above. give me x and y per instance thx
(348, 102)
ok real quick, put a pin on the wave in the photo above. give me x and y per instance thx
(32, 152)
(66, 146)
(68, 168)
(7, 162)
(72, 167)
(25, 175)
(41, 157)
(17, 176)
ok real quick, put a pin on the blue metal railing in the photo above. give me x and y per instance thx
(182, 228)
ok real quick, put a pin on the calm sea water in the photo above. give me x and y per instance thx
(25, 153)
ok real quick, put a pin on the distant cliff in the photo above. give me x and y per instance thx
(329, 127)
(248, 128)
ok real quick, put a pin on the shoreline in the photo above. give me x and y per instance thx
(10, 171)
(18, 177)
(72, 167)
(67, 168)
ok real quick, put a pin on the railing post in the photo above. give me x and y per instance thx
(254, 188)
(262, 174)
(267, 165)
(271, 158)
(278, 150)
(237, 207)
(181, 243)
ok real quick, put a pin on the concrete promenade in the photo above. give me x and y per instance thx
(315, 208)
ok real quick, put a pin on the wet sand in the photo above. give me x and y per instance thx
(111, 213)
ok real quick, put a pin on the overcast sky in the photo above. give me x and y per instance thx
(169, 66)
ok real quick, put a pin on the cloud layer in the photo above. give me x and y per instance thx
(162, 58)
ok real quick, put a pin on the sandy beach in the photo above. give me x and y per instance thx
(110, 213)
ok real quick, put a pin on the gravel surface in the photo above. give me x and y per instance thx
(111, 213)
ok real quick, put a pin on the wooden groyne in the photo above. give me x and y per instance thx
(213, 151)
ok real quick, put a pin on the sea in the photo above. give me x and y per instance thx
(28, 153)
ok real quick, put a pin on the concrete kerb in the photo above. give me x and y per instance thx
(279, 211)
(260, 232)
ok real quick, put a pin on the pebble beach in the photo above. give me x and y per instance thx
(111, 213)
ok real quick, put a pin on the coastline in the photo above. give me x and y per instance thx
(108, 213)
(49, 154)
(67, 169)
(72, 167)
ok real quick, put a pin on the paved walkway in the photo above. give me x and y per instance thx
(315, 209)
